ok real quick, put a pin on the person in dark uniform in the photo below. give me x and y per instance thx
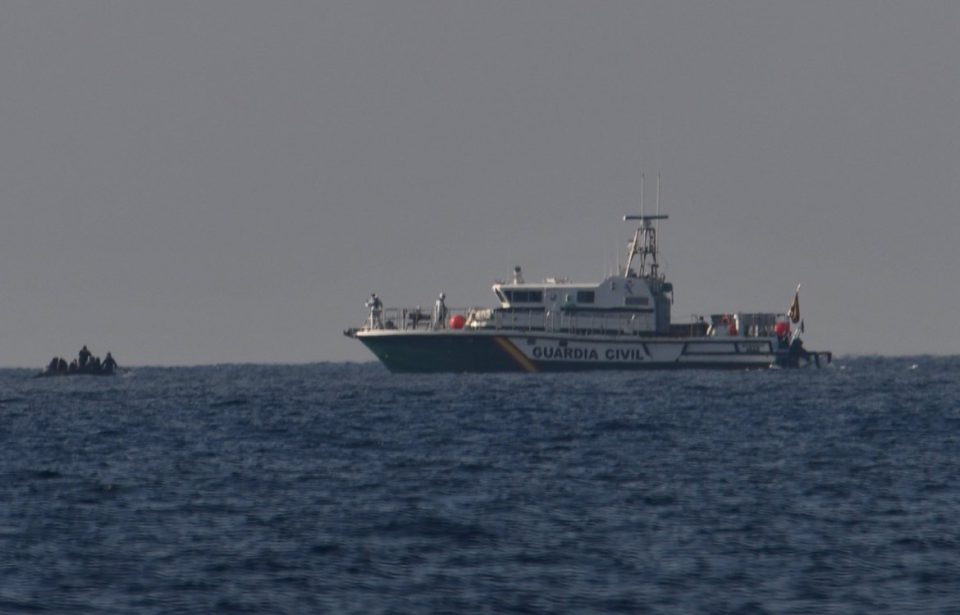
(109, 365)
(84, 356)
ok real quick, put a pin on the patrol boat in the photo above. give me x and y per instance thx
(620, 323)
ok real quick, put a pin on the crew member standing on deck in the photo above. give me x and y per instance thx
(440, 312)
(376, 311)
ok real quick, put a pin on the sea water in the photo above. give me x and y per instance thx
(343, 488)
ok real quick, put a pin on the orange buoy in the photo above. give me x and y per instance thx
(457, 321)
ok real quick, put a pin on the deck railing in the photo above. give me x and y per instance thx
(412, 319)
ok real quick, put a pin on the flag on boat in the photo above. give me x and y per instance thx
(794, 312)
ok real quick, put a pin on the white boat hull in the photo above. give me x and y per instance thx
(488, 351)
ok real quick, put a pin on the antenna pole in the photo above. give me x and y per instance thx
(641, 194)
(658, 193)
(656, 230)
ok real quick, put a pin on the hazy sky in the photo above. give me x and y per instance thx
(226, 181)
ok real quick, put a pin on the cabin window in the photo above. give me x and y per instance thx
(637, 301)
(586, 296)
(525, 296)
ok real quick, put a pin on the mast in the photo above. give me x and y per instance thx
(644, 243)
(644, 240)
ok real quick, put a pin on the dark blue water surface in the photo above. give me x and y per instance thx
(341, 488)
